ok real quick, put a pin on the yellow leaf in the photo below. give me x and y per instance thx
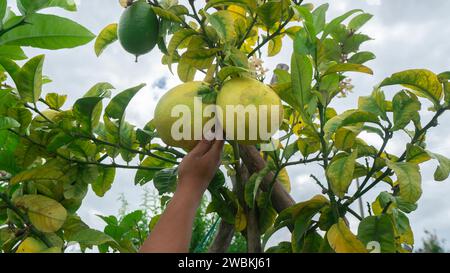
(237, 11)
(106, 37)
(283, 178)
(315, 203)
(223, 22)
(342, 240)
(45, 214)
(283, 175)
(31, 245)
(42, 173)
(275, 46)
(240, 222)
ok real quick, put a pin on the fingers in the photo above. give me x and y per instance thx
(202, 148)
(215, 151)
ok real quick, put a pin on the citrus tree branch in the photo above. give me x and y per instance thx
(97, 163)
(103, 142)
(274, 34)
(417, 136)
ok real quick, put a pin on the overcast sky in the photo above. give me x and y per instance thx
(407, 34)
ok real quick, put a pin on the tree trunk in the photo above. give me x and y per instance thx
(252, 231)
(223, 238)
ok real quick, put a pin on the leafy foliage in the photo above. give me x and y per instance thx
(51, 154)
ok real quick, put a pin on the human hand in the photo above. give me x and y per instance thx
(199, 166)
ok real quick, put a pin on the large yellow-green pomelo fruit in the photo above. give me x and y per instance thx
(248, 93)
(138, 28)
(31, 245)
(183, 95)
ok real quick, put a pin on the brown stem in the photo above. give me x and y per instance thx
(223, 238)
(252, 231)
(252, 159)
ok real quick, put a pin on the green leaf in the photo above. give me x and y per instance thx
(84, 112)
(249, 4)
(416, 154)
(340, 173)
(29, 79)
(308, 21)
(301, 74)
(90, 237)
(282, 76)
(115, 111)
(223, 22)
(308, 145)
(301, 225)
(200, 58)
(42, 173)
(270, 13)
(331, 26)
(167, 14)
(103, 182)
(348, 67)
(143, 176)
(345, 137)
(47, 32)
(26, 153)
(252, 185)
(8, 123)
(73, 225)
(443, 170)
(186, 71)
(102, 89)
(217, 182)
(30, 6)
(378, 229)
(106, 37)
(285, 92)
(59, 140)
(375, 104)
(3, 8)
(21, 115)
(423, 82)
(319, 17)
(267, 214)
(178, 38)
(409, 180)
(55, 101)
(165, 181)
(12, 52)
(290, 215)
(342, 240)
(406, 107)
(228, 71)
(361, 57)
(358, 21)
(303, 44)
(10, 66)
(349, 117)
(282, 247)
(45, 214)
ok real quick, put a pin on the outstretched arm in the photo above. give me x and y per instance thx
(173, 231)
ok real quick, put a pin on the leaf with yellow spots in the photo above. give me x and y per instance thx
(342, 240)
